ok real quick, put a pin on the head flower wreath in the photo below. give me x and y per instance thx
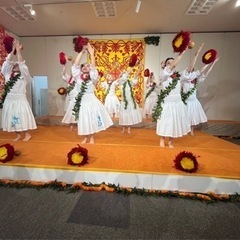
(181, 41)
(8, 43)
(133, 60)
(146, 72)
(79, 42)
(209, 56)
(62, 58)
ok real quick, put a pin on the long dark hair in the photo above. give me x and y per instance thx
(170, 58)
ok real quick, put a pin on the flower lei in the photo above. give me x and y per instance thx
(109, 86)
(163, 94)
(150, 90)
(7, 88)
(70, 87)
(124, 95)
(186, 95)
(78, 98)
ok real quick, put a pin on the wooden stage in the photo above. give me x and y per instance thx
(130, 160)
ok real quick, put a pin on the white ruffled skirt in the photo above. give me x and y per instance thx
(112, 104)
(17, 114)
(69, 117)
(93, 116)
(195, 112)
(174, 120)
(149, 104)
(129, 116)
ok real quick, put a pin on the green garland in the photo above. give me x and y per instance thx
(154, 40)
(157, 110)
(7, 88)
(124, 95)
(70, 87)
(150, 91)
(186, 95)
(71, 188)
(78, 98)
(109, 86)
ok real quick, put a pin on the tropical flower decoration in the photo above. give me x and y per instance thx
(181, 41)
(146, 72)
(79, 42)
(62, 58)
(7, 152)
(133, 60)
(62, 91)
(8, 43)
(186, 161)
(78, 156)
(209, 56)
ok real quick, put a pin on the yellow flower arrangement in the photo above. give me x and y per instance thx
(209, 56)
(78, 156)
(186, 161)
(181, 41)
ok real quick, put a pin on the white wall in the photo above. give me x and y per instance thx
(219, 94)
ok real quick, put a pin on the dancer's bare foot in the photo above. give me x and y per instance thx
(71, 128)
(84, 140)
(162, 143)
(17, 138)
(91, 140)
(123, 130)
(170, 144)
(129, 130)
(27, 137)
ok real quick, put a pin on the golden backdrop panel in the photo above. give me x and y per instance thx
(112, 57)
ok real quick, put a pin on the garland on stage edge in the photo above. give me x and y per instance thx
(163, 94)
(208, 197)
(124, 95)
(150, 90)
(186, 95)
(77, 105)
(7, 88)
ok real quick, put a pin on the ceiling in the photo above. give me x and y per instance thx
(59, 17)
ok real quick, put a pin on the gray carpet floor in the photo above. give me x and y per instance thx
(50, 214)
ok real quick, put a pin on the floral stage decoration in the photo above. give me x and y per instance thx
(209, 56)
(113, 57)
(62, 58)
(209, 197)
(181, 41)
(7, 152)
(186, 161)
(78, 156)
(152, 40)
(3, 55)
(62, 91)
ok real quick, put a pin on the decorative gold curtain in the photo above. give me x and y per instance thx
(113, 56)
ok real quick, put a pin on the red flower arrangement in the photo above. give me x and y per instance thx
(181, 41)
(209, 56)
(78, 156)
(8, 43)
(146, 72)
(133, 60)
(62, 58)
(79, 42)
(7, 152)
(85, 76)
(186, 161)
(62, 91)
(100, 73)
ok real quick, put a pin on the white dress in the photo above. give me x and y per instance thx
(93, 116)
(112, 103)
(69, 116)
(131, 114)
(151, 100)
(17, 114)
(195, 111)
(173, 121)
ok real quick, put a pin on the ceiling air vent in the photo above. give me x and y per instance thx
(105, 9)
(19, 13)
(201, 7)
